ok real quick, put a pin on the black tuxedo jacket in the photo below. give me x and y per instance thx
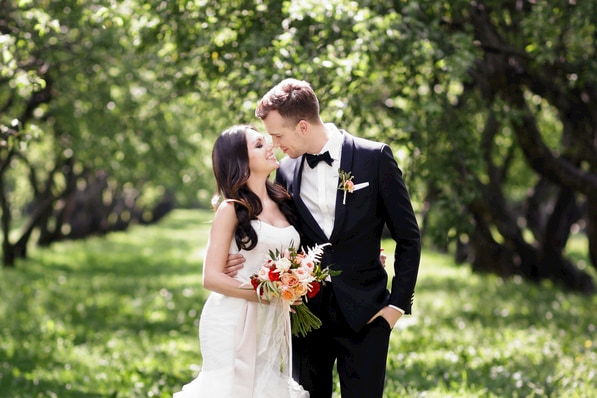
(361, 287)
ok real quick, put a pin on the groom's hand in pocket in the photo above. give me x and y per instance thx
(234, 263)
(391, 315)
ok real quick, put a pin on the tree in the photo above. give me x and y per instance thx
(531, 87)
(92, 126)
(491, 105)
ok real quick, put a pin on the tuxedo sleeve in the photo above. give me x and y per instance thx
(402, 224)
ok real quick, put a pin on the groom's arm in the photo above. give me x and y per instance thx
(402, 224)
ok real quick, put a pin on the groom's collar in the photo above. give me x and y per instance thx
(334, 143)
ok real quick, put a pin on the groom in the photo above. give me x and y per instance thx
(345, 190)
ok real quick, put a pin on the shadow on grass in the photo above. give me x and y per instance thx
(491, 378)
(116, 316)
(498, 304)
(114, 301)
(480, 335)
(50, 389)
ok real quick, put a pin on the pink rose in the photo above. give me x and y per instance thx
(289, 280)
(308, 265)
(302, 273)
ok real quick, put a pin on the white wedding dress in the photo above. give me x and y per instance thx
(246, 345)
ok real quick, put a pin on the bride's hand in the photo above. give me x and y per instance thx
(298, 301)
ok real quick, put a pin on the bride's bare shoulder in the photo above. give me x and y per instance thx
(226, 213)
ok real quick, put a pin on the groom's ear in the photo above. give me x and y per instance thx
(303, 127)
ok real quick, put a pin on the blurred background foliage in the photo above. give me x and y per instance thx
(108, 110)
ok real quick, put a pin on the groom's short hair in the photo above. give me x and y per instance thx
(293, 99)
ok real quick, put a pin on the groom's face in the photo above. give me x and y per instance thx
(285, 135)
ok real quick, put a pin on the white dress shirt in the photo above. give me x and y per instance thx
(319, 185)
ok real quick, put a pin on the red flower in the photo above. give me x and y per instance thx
(255, 283)
(273, 275)
(315, 286)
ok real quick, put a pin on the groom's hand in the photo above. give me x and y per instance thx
(234, 263)
(391, 315)
(382, 257)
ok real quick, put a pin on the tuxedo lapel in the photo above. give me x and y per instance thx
(346, 162)
(300, 205)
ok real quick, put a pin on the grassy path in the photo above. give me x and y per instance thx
(116, 316)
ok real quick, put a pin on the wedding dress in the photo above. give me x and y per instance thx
(246, 345)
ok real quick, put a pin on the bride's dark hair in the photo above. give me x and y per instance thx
(230, 159)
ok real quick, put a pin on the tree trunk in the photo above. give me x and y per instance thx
(8, 254)
(557, 230)
(592, 229)
(537, 205)
(487, 254)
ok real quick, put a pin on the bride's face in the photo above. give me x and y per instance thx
(261, 154)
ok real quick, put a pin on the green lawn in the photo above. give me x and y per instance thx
(117, 316)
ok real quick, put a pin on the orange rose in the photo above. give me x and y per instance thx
(301, 289)
(287, 294)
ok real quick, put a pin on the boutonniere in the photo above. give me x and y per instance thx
(346, 183)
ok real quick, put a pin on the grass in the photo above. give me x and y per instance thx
(116, 316)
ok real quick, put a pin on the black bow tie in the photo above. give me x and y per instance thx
(314, 159)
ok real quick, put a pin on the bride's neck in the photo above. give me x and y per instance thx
(259, 188)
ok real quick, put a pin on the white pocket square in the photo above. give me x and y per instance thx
(360, 186)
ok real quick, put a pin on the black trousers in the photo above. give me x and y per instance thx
(361, 356)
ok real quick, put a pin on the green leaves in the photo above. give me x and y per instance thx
(141, 89)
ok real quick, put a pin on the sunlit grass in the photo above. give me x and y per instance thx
(478, 335)
(116, 316)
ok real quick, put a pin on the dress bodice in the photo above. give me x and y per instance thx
(269, 237)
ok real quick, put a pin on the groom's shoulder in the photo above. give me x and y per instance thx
(365, 143)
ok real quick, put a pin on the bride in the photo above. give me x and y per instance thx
(245, 344)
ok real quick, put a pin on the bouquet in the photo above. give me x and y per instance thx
(291, 276)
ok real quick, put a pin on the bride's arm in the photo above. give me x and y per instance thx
(214, 263)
